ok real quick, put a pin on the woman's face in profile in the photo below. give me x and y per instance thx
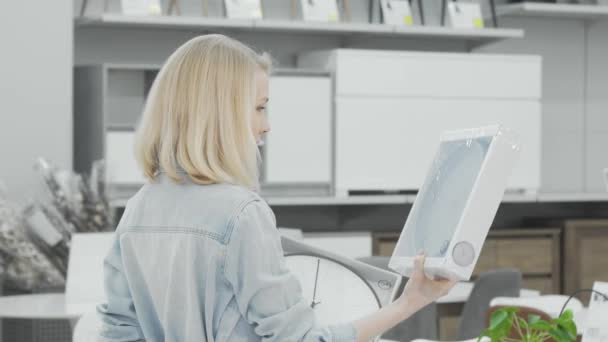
(259, 124)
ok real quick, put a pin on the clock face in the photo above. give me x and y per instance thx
(442, 199)
(337, 294)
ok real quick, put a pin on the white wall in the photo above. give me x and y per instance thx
(575, 89)
(596, 123)
(35, 89)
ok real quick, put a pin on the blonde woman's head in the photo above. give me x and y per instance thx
(205, 113)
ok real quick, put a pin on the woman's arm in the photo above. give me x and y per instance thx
(270, 298)
(418, 293)
(118, 316)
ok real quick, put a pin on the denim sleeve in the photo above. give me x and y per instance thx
(118, 317)
(268, 295)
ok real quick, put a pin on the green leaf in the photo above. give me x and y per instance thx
(533, 318)
(522, 322)
(498, 318)
(567, 315)
(541, 326)
(560, 335)
(569, 327)
(510, 309)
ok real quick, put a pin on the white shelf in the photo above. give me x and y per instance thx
(554, 10)
(519, 198)
(476, 36)
(574, 197)
(409, 199)
(330, 200)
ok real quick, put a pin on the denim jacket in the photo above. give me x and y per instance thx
(203, 263)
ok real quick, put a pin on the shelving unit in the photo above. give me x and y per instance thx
(475, 36)
(409, 199)
(573, 197)
(529, 9)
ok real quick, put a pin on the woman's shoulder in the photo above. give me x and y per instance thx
(214, 208)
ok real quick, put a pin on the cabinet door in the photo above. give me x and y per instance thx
(389, 143)
(121, 166)
(298, 148)
(452, 75)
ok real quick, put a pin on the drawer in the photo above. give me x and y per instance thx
(390, 73)
(593, 259)
(384, 243)
(386, 247)
(487, 259)
(533, 256)
(407, 132)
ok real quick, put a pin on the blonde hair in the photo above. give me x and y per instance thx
(197, 115)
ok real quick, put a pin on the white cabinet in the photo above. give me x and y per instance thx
(391, 107)
(374, 155)
(387, 73)
(121, 166)
(298, 146)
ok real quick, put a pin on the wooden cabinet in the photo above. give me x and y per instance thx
(535, 252)
(585, 254)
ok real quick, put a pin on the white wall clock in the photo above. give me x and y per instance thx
(335, 292)
(339, 289)
(456, 205)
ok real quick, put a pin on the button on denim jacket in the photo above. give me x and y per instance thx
(203, 263)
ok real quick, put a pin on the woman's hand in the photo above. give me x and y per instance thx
(421, 290)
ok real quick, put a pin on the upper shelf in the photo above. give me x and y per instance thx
(531, 9)
(475, 36)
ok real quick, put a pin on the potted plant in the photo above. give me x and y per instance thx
(507, 326)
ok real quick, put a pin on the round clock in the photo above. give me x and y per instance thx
(335, 292)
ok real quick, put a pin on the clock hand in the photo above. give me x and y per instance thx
(314, 294)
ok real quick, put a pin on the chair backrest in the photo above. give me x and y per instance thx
(503, 282)
(87, 328)
(522, 313)
(421, 325)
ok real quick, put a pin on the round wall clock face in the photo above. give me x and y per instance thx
(335, 292)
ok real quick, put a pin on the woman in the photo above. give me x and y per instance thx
(197, 256)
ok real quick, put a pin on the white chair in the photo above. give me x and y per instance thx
(551, 304)
(87, 328)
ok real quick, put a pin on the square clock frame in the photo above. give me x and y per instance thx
(456, 205)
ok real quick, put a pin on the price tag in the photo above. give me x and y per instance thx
(141, 7)
(465, 15)
(320, 10)
(243, 9)
(396, 12)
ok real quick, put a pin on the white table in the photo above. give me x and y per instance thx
(52, 305)
(461, 292)
(35, 306)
